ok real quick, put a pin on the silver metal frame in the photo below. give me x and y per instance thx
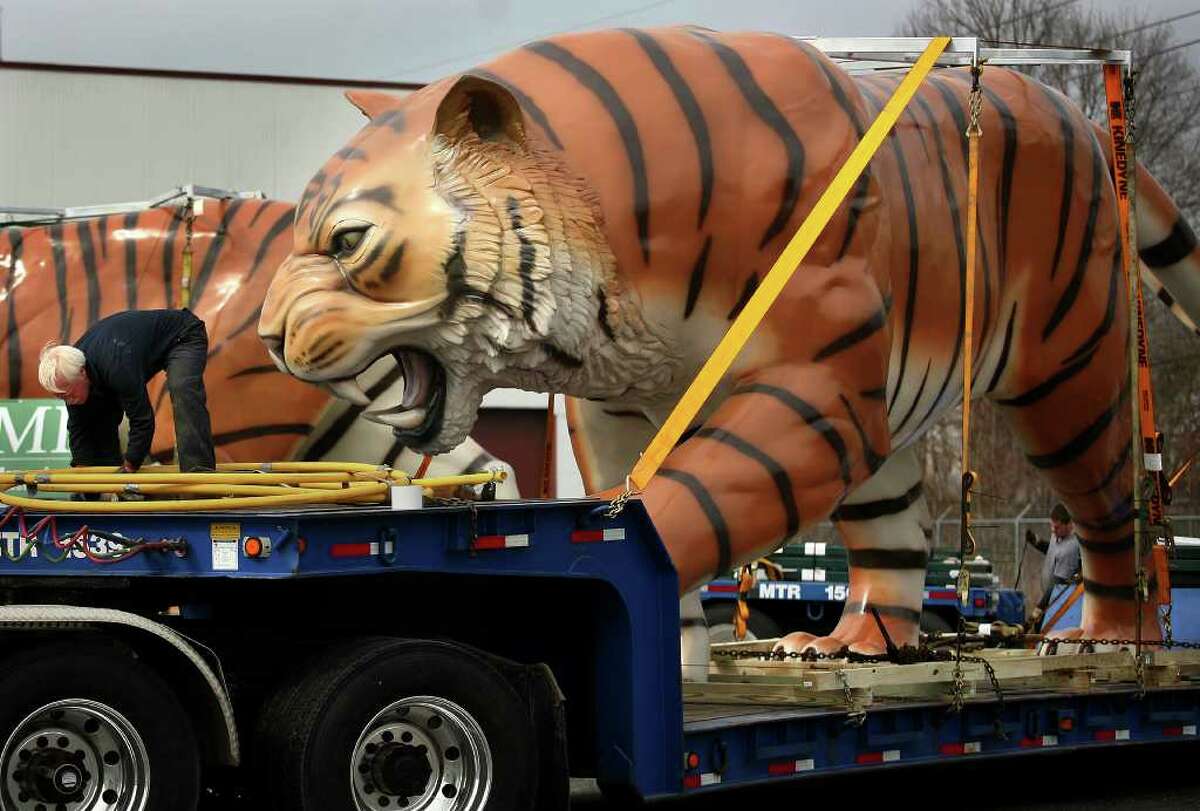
(859, 54)
(18, 215)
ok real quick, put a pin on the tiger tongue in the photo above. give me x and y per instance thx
(417, 377)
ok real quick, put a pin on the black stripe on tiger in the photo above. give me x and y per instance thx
(1116, 518)
(250, 371)
(811, 416)
(1120, 545)
(168, 261)
(858, 201)
(527, 104)
(1110, 311)
(271, 429)
(131, 245)
(12, 335)
(888, 558)
(711, 511)
(87, 252)
(1047, 387)
(1067, 133)
(696, 280)
(525, 262)
(592, 79)
(916, 398)
(102, 236)
(1005, 348)
(60, 279)
(1100, 181)
(1008, 123)
(879, 393)
(899, 612)
(393, 452)
(873, 459)
(766, 110)
(783, 482)
(1122, 460)
(870, 510)
(1106, 591)
(1079, 444)
(1175, 247)
(326, 442)
(914, 261)
(258, 212)
(691, 112)
(747, 292)
(280, 226)
(960, 246)
(855, 336)
(200, 282)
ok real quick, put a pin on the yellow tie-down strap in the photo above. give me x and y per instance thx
(773, 283)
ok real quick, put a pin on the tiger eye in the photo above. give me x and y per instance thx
(347, 242)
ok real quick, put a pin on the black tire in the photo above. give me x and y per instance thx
(94, 680)
(934, 623)
(719, 615)
(308, 733)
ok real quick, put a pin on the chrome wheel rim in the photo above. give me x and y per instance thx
(74, 755)
(422, 753)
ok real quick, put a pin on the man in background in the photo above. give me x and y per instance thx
(1062, 562)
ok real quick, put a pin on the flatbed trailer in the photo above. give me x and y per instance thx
(251, 622)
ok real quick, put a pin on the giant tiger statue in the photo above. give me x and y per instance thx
(588, 213)
(58, 279)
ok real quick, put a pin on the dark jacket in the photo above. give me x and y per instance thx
(122, 353)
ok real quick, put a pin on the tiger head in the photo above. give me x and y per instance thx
(446, 237)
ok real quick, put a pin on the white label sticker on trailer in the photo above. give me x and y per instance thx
(1153, 461)
(224, 555)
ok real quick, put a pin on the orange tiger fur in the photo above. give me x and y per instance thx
(588, 213)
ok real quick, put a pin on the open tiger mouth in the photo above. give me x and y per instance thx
(417, 415)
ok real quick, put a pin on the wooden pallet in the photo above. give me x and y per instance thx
(825, 683)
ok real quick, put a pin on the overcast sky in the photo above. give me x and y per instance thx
(403, 40)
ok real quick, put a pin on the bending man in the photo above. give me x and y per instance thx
(104, 375)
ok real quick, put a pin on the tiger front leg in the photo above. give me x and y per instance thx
(778, 454)
(882, 525)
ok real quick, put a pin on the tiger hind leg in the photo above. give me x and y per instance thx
(1078, 438)
(881, 523)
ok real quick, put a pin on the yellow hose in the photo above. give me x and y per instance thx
(233, 486)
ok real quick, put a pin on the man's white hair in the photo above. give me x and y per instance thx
(59, 366)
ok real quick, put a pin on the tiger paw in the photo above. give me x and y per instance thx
(801, 642)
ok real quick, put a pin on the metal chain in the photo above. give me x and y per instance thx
(855, 715)
(976, 103)
(618, 503)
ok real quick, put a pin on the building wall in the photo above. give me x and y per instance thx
(69, 139)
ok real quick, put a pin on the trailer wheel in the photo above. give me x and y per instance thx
(89, 728)
(388, 724)
(719, 615)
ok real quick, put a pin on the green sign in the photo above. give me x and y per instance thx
(33, 434)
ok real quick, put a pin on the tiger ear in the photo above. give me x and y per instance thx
(481, 106)
(372, 103)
